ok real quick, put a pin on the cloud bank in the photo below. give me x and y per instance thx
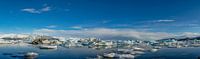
(106, 33)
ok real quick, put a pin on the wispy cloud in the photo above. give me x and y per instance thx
(51, 26)
(37, 11)
(165, 20)
(76, 27)
(187, 25)
(106, 21)
(122, 25)
(31, 10)
(194, 24)
(45, 9)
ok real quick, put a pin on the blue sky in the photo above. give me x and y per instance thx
(170, 16)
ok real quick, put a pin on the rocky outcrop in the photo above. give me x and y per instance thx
(46, 40)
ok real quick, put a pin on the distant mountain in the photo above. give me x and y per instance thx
(183, 38)
(189, 38)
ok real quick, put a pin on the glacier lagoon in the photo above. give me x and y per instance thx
(14, 51)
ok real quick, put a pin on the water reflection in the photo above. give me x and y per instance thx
(17, 52)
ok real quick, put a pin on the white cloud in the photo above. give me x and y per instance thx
(51, 26)
(45, 9)
(34, 10)
(107, 33)
(31, 10)
(46, 31)
(166, 20)
(76, 27)
(188, 34)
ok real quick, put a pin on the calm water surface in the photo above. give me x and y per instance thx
(60, 53)
(83, 53)
(173, 53)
